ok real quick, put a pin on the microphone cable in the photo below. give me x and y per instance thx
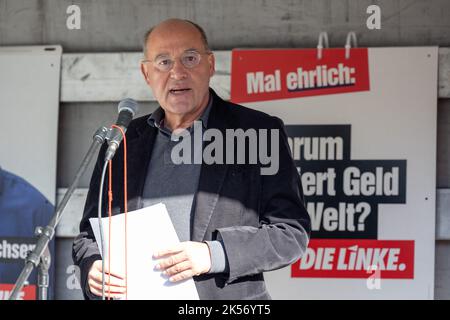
(100, 225)
(110, 193)
(125, 205)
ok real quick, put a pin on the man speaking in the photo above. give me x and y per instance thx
(233, 221)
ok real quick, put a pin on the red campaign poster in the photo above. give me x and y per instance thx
(368, 187)
(286, 74)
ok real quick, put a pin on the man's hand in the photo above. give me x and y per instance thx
(117, 284)
(184, 260)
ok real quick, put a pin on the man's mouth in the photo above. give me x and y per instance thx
(179, 91)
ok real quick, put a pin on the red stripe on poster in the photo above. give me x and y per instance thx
(263, 75)
(356, 258)
(27, 293)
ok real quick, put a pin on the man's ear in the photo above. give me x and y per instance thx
(212, 64)
(144, 71)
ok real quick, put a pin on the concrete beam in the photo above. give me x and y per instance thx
(95, 77)
(444, 73)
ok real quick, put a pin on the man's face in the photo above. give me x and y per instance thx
(181, 90)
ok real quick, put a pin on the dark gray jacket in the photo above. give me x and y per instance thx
(261, 219)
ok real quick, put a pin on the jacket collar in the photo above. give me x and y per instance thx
(156, 119)
(211, 176)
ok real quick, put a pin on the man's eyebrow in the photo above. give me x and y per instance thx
(164, 54)
(191, 49)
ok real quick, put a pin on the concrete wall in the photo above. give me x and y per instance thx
(112, 25)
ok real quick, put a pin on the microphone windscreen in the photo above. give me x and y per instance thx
(128, 104)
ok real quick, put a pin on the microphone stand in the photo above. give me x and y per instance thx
(40, 256)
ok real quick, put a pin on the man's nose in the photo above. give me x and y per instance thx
(178, 71)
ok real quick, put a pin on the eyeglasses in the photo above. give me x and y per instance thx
(190, 59)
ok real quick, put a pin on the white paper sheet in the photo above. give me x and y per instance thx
(148, 230)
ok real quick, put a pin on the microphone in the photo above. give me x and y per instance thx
(127, 109)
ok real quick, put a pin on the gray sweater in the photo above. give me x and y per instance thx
(175, 184)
